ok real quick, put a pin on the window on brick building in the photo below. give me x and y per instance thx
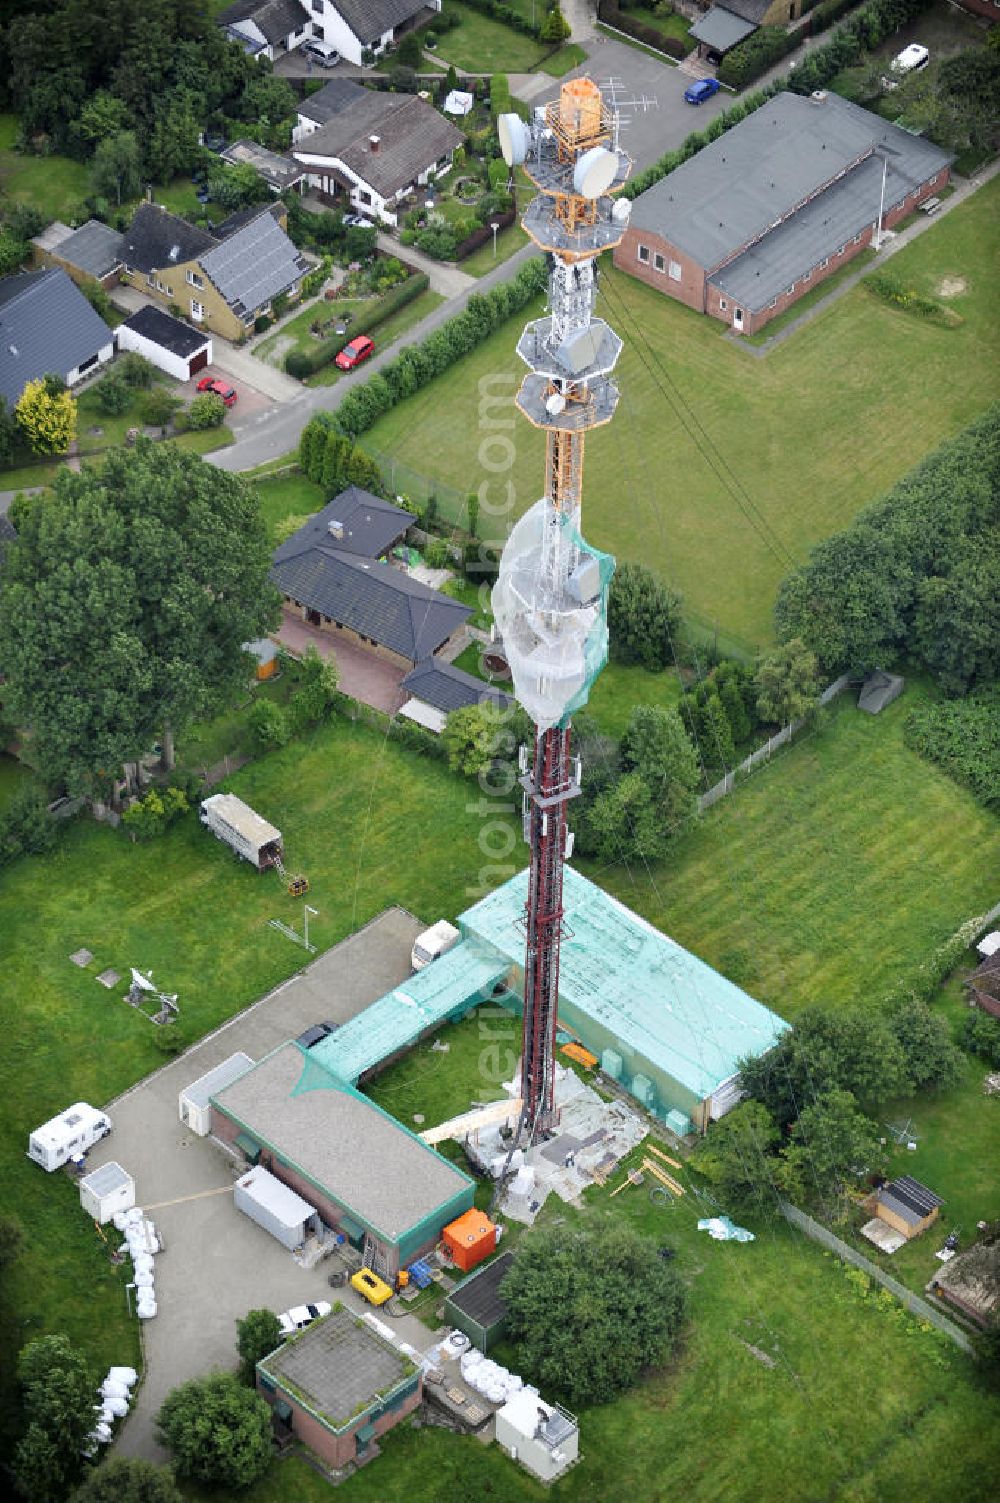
(675, 271)
(658, 263)
(644, 254)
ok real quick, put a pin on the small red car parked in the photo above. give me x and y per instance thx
(218, 388)
(352, 354)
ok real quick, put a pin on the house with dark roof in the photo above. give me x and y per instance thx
(367, 150)
(436, 688)
(223, 279)
(724, 26)
(93, 253)
(331, 576)
(752, 222)
(47, 326)
(270, 28)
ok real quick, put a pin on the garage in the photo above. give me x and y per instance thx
(167, 343)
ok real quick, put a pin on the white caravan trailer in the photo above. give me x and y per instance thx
(433, 943)
(75, 1130)
(251, 837)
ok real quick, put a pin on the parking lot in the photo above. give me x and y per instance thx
(218, 1264)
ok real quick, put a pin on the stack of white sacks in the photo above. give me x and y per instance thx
(115, 1392)
(489, 1378)
(141, 1242)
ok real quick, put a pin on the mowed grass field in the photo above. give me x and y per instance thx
(721, 470)
(347, 803)
(832, 872)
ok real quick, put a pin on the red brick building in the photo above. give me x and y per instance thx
(773, 207)
(337, 1386)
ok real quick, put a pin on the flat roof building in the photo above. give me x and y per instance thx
(365, 1173)
(338, 1385)
(660, 1020)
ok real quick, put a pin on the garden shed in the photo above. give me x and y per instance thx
(906, 1205)
(107, 1190)
(879, 690)
(476, 1305)
(193, 1102)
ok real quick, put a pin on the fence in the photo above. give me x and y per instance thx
(772, 744)
(912, 1302)
(401, 479)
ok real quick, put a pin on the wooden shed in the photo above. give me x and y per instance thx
(906, 1205)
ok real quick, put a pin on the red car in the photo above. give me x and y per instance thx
(218, 389)
(352, 354)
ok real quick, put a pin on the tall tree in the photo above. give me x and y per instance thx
(644, 617)
(787, 681)
(47, 418)
(657, 747)
(956, 626)
(58, 1397)
(218, 1432)
(115, 170)
(831, 1141)
(737, 1154)
(257, 1335)
(125, 606)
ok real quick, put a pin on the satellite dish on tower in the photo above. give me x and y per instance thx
(621, 211)
(595, 172)
(555, 404)
(514, 137)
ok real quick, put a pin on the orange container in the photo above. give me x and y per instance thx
(470, 1239)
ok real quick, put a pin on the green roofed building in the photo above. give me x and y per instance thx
(366, 1174)
(660, 1020)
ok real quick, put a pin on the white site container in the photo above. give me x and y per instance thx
(75, 1130)
(107, 1190)
(433, 943)
(194, 1103)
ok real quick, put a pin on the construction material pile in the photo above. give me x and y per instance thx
(141, 1243)
(115, 1397)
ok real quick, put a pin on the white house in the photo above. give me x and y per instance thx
(269, 28)
(367, 150)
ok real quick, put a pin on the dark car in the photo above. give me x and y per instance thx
(314, 1034)
(701, 89)
(218, 389)
(352, 354)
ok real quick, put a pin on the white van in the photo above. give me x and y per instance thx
(75, 1130)
(910, 60)
(433, 943)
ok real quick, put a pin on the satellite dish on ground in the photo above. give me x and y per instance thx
(595, 172)
(142, 982)
(514, 139)
(555, 404)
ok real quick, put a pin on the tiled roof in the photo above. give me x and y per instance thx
(370, 19)
(373, 599)
(274, 19)
(254, 264)
(368, 527)
(412, 137)
(157, 239)
(169, 333)
(449, 688)
(46, 324)
(339, 94)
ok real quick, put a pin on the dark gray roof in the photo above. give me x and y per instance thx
(369, 527)
(720, 28)
(412, 136)
(46, 324)
(278, 172)
(479, 1295)
(749, 10)
(449, 688)
(95, 249)
(879, 690)
(908, 1199)
(156, 239)
(373, 599)
(240, 217)
(786, 152)
(275, 19)
(169, 333)
(369, 19)
(254, 264)
(339, 94)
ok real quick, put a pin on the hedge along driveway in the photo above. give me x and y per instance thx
(820, 429)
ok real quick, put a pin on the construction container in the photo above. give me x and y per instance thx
(194, 1102)
(611, 1063)
(643, 1089)
(470, 1239)
(107, 1190)
(679, 1123)
(476, 1305)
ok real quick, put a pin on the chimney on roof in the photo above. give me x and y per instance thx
(335, 528)
(374, 142)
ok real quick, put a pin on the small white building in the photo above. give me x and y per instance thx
(68, 1135)
(544, 1438)
(167, 343)
(268, 1201)
(107, 1190)
(194, 1102)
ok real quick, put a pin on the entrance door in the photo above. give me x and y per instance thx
(738, 320)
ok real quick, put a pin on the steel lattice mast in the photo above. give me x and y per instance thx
(550, 601)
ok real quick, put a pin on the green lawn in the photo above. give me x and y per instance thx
(821, 427)
(54, 185)
(343, 798)
(394, 328)
(831, 871)
(291, 495)
(480, 45)
(813, 296)
(622, 686)
(483, 260)
(558, 64)
(12, 775)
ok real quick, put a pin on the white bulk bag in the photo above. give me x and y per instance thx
(126, 1375)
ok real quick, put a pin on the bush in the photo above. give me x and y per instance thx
(612, 15)
(302, 363)
(26, 826)
(150, 816)
(962, 737)
(157, 407)
(114, 394)
(135, 370)
(261, 323)
(755, 55)
(892, 289)
(269, 725)
(437, 554)
(206, 411)
(981, 1035)
(312, 283)
(217, 1431)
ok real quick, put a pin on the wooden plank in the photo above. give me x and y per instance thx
(664, 1156)
(663, 1176)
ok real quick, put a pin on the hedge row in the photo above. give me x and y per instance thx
(303, 363)
(416, 365)
(699, 139)
(504, 14)
(758, 53)
(649, 36)
(849, 43)
(483, 234)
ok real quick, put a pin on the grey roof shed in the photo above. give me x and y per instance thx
(720, 29)
(878, 690)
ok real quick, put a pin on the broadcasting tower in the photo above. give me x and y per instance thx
(550, 599)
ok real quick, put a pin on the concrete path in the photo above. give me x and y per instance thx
(889, 248)
(445, 277)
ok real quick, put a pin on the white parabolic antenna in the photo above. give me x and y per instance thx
(595, 172)
(513, 134)
(142, 982)
(555, 404)
(621, 211)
